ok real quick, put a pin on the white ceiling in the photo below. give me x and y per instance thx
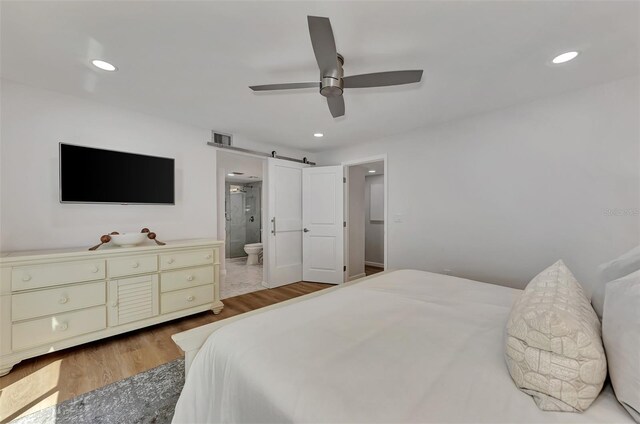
(192, 61)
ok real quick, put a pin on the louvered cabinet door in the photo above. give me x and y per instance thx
(133, 299)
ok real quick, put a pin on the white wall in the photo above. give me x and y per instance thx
(356, 221)
(499, 196)
(373, 230)
(34, 121)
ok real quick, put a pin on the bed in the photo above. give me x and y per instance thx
(402, 346)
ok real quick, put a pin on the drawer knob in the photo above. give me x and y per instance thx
(63, 300)
(208, 256)
(63, 326)
(190, 278)
(135, 264)
(95, 269)
(171, 260)
(190, 299)
(26, 277)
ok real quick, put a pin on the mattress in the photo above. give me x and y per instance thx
(405, 346)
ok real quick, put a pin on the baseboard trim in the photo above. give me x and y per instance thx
(376, 264)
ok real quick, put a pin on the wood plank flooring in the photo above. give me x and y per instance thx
(370, 270)
(47, 380)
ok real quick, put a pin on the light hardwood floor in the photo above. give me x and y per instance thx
(50, 379)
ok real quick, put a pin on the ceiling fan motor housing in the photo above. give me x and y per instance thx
(331, 80)
(331, 87)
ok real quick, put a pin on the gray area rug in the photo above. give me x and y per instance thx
(148, 397)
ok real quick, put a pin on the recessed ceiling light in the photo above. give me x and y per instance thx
(105, 66)
(230, 175)
(318, 135)
(372, 171)
(565, 57)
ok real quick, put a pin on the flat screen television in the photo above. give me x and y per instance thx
(90, 175)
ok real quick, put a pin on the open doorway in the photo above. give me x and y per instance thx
(301, 215)
(240, 208)
(365, 213)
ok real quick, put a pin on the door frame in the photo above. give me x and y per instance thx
(364, 161)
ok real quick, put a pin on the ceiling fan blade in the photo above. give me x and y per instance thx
(336, 106)
(324, 45)
(382, 79)
(286, 86)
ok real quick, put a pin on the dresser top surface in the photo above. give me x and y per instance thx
(106, 250)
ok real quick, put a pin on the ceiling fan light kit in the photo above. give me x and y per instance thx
(332, 80)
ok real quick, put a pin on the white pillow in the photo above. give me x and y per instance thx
(553, 347)
(612, 270)
(621, 335)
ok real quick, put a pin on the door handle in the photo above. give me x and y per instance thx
(306, 230)
(273, 221)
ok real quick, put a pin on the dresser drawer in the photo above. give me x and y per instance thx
(58, 300)
(184, 278)
(35, 276)
(187, 298)
(42, 331)
(133, 265)
(186, 259)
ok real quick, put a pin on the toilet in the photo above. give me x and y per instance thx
(254, 250)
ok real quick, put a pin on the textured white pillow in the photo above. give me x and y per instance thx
(553, 347)
(612, 270)
(621, 336)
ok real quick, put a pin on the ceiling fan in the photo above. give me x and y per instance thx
(332, 80)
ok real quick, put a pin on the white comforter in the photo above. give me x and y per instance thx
(408, 346)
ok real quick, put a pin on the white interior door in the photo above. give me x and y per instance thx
(322, 218)
(284, 214)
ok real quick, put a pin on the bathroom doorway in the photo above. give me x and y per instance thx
(241, 180)
(243, 217)
(365, 217)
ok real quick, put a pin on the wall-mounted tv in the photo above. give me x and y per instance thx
(90, 175)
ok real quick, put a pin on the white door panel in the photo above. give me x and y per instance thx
(288, 249)
(284, 213)
(322, 212)
(323, 253)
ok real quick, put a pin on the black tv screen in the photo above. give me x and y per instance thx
(89, 175)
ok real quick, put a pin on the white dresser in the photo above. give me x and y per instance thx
(51, 300)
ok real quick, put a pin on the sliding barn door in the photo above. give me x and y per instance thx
(322, 219)
(284, 214)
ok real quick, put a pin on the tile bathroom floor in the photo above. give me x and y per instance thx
(241, 278)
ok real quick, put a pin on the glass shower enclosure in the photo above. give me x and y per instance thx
(243, 211)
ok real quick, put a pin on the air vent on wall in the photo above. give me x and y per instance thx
(221, 138)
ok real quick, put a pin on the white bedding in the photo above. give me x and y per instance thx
(407, 346)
